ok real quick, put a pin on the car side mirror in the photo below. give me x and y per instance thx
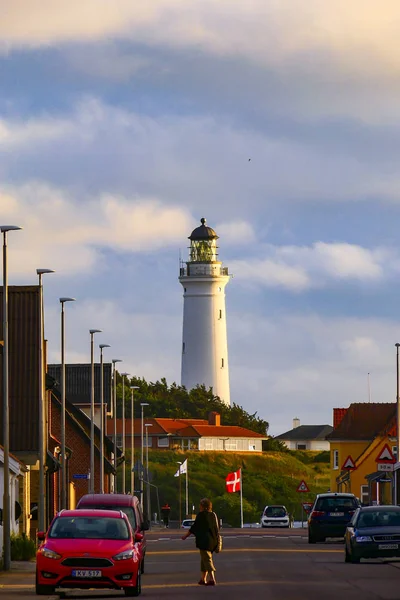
(41, 536)
(138, 537)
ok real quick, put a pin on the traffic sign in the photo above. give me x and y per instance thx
(386, 455)
(348, 464)
(307, 506)
(80, 476)
(302, 487)
(385, 467)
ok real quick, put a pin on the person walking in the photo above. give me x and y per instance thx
(206, 531)
(165, 510)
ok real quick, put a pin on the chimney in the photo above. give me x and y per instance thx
(296, 423)
(214, 418)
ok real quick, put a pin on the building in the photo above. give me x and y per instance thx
(306, 437)
(204, 339)
(189, 434)
(361, 432)
(18, 493)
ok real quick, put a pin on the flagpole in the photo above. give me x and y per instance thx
(187, 490)
(241, 498)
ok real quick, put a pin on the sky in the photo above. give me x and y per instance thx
(123, 123)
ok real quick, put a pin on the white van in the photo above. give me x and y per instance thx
(275, 515)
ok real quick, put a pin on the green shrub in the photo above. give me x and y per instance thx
(22, 547)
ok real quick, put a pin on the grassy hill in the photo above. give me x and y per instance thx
(268, 478)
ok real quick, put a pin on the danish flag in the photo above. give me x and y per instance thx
(232, 481)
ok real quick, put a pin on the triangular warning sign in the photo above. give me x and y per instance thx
(386, 455)
(302, 487)
(348, 463)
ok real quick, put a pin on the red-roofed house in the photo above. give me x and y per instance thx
(361, 433)
(189, 434)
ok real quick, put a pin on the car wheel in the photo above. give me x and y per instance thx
(135, 591)
(43, 590)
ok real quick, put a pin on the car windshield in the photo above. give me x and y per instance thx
(89, 528)
(275, 511)
(336, 504)
(128, 510)
(379, 518)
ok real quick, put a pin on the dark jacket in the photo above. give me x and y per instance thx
(206, 530)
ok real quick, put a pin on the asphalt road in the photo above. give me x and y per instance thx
(267, 564)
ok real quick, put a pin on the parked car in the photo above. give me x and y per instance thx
(89, 549)
(187, 523)
(330, 515)
(129, 504)
(373, 532)
(275, 515)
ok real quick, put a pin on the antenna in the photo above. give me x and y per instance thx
(369, 389)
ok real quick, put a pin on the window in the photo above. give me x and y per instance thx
(394, 451)
(364, 494)
(301, 446)
(335, 459)
(163, 442)
(220, 314)
(230, 445)
(222, 363)
(183, 348)
(184, 289)
(220, 289)
(150, 441)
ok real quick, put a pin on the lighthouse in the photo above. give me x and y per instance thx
(204, 339)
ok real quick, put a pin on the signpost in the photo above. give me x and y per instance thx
(302, 488)
(80, 476)
(385, 462)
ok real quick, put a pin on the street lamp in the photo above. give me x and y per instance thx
(91, 480)
(102, 346)
(180, 493)
(398, 418)
(114, 410)
(147, 425)
(64, 469)
(42, 409)
(123, 375)
(133, 387)
(142, 404)
(6, 409)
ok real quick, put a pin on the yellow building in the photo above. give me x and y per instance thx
(360, 434)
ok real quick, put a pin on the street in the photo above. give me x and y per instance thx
(273, 564)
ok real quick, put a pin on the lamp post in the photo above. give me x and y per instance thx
(42, 407)
(6, 409)
(142, 404)
(114, 410)
(133, 387)
(92, 445)
(396, 499)
(147, 425)
(180, 493)
(102, 346)
(123, 375)
(63, 461)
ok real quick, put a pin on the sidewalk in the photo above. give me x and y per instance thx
(21, 575)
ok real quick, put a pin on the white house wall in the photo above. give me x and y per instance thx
(316, 445)
(231, 444)
(14, 474)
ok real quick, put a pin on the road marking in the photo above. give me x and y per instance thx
(155, 586)
(16, 586)
(289, 550)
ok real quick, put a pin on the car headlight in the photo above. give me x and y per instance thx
(363, 538)
(50, 553)
(126, 555)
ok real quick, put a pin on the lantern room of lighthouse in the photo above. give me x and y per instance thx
(204, 339)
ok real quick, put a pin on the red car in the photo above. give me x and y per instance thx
(89, 549)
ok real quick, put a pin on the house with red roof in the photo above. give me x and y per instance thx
(362, 432)
(189, 434)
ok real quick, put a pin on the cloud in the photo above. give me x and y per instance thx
(236, 233)
(299, 268)
(75, 231)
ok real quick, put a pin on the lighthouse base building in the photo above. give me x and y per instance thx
(204, 340)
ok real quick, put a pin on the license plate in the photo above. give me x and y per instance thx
(388, 546)
(86, 573)
(336, 514)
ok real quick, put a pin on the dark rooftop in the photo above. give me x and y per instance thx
(306, 432)
(203, 232)
(78, 382)
(364, 421)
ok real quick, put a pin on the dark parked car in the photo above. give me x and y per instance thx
(330, 515)
(374, 532)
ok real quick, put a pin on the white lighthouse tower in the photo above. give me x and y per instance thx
(204, 342)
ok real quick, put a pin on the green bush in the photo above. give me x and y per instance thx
(22, 547)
